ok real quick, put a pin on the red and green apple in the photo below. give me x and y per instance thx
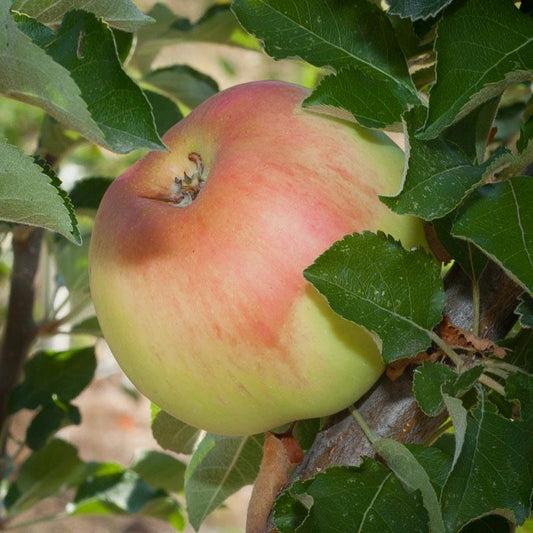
(197, 256)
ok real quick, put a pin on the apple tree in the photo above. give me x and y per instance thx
(444, 441)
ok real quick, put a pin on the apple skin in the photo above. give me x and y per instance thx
(205, 307)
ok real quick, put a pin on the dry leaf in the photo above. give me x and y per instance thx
(461, 339)
(397, 368)
(280, 455)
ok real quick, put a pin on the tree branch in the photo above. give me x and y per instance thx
(20, 328)
(389, 408)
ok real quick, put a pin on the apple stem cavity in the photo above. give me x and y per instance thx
(186, 189)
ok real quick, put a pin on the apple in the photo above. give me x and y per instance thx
(197, 256)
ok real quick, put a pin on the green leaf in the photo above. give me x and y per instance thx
(44, 474)
(469, 257)
(522, 350)
(121, 14)
(416, 9)
(219, 467)
(171, 433)
(167, 509)
(435, 462)
(305, 432)
(112, 490)
(85, 46)
(124, 42)
(375, 99)
(499, 220)
(88, 326)
(488, 524)
(183, 83)
(55, 140)
(166, 112)
(407, 468)
(482, 46)
(430, 380)
(519, 387)
(32, 194)
(481, 482)
(437, 177)
(217, 25)
(525, 311)
(367, 498)
(88, 192)
(458, 414)
(371, 280)
(48, 420)
(49, 374)
(526, 136)
(30, 75)
(329, 34)
(159, 469)
(470, 135)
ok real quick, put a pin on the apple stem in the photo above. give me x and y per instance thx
(362, 424)
(188, 187)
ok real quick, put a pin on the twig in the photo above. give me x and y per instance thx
(492, 384)
(362, 424)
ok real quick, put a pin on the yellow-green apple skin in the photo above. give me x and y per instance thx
(205, 306)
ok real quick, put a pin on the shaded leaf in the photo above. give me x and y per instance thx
(166, 112)
(416, 9)
(435, 462)
(469, 257)
(458, 414)
(48, 420)
(483, 46)
(88, 192)
(217, 25)
(73, 264)
(407, 468)
(121, 14)
(32, 194)
(171, 433)
(331, 34)
(305, 432)
(44, 474)
(49, 374)
(88, 326)
(437, 177)
(374, 99)
(167, 509)
(488, 524)
(522, 350)
(219, 467)
(183, 83)
(519, 387)
(430, 380)
(371, 280)
(366, 498)
(526, 135)
(498, 219)
(481, 482)
(111, 489)
(470, 135)
(525, 311)
(86, 47)
(30, 75)
(160, 470)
